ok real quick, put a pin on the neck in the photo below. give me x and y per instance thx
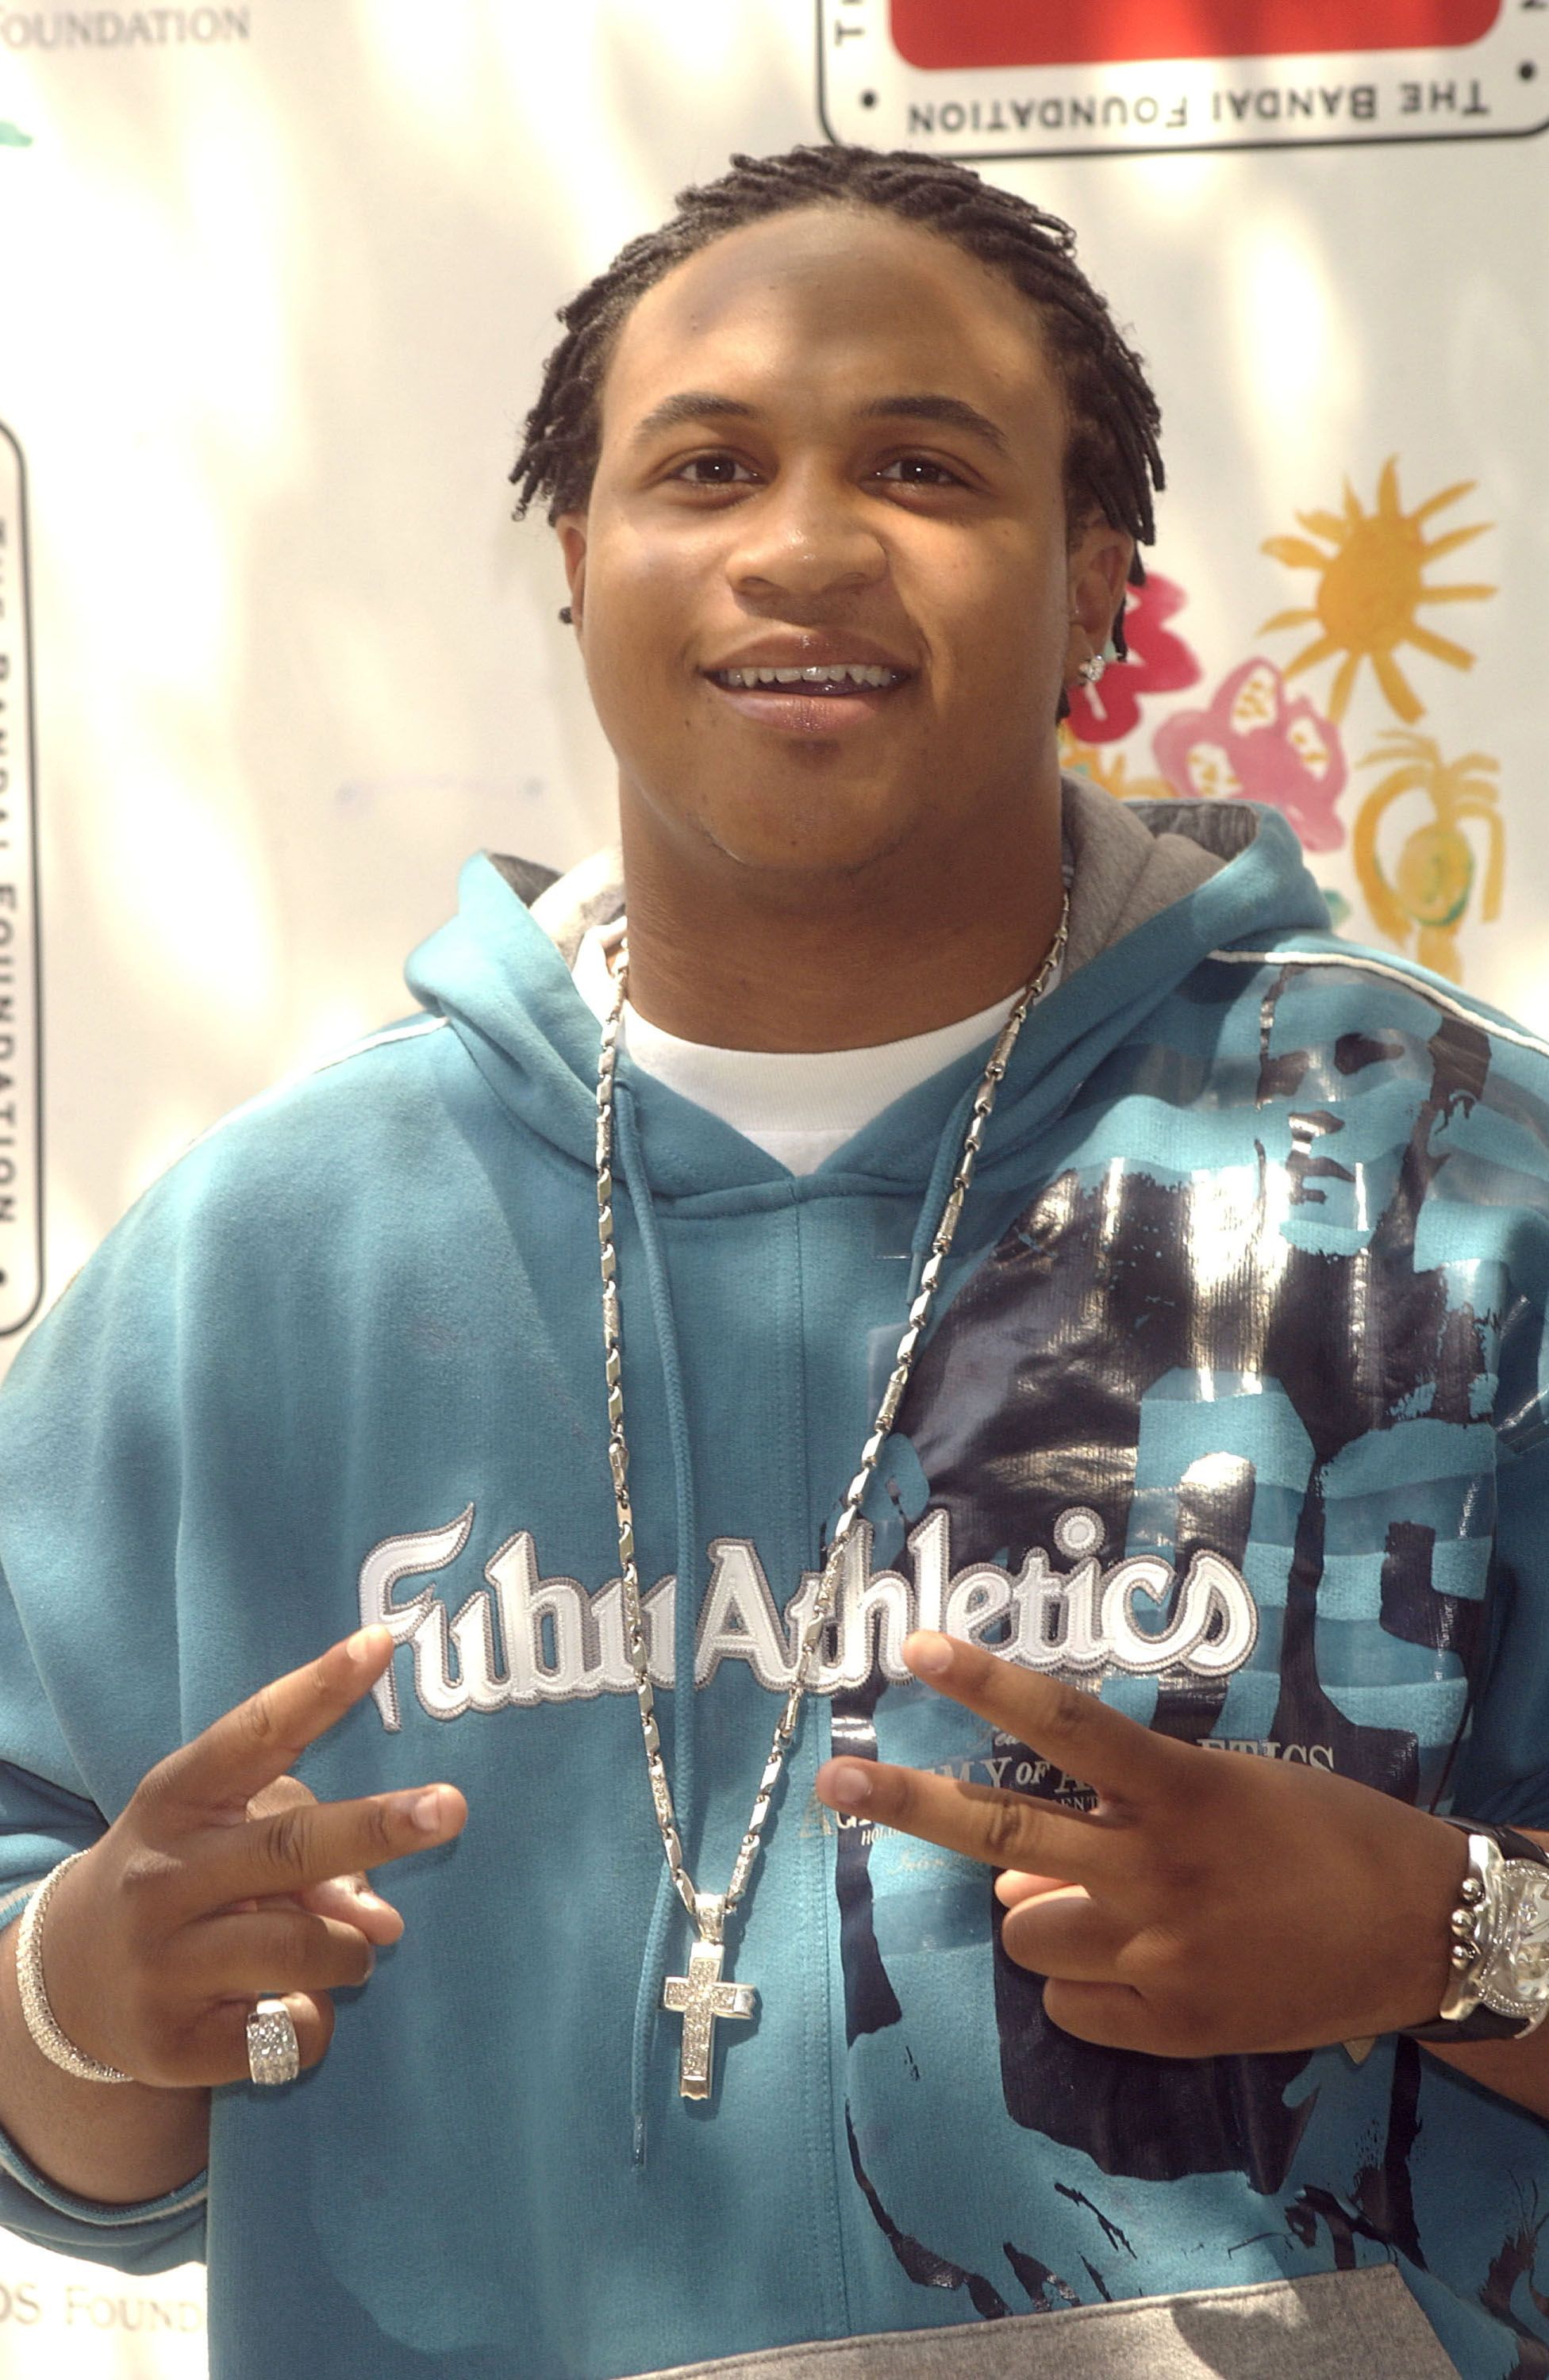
(763, 959)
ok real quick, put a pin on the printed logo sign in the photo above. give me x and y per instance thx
(59, 2317)
(531, 1638)
(21, 1023)
(986, 79)
(120, 28)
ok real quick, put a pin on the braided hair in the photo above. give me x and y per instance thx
(1111, 462)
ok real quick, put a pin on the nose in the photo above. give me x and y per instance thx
(804, 538)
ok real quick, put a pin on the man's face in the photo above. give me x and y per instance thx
(831, 441)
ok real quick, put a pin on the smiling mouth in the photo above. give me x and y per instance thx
(821, 678)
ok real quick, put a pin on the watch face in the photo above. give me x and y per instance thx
(1515, 1980)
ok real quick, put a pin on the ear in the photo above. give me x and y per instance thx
(1098, 567)
(571, 529)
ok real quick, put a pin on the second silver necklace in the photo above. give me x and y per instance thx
(703, 1996)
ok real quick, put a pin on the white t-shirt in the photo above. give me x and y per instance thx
(798, 1106)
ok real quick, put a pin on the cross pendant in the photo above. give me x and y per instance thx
(700, 1997)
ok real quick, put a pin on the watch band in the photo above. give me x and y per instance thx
(1476, 2021)
(1480, 2024)
(1507, 1842)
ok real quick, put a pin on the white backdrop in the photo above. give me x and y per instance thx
(276, 282)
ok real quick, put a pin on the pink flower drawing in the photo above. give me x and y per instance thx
(1159, 662)
(1254, 744)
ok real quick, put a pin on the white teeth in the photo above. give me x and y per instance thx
(815, 673)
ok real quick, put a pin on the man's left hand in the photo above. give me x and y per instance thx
(1212, 1902)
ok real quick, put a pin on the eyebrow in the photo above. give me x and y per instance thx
(951, 412)
(690, 404)
(702, 405)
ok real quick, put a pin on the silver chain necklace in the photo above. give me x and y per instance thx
(703, 1997)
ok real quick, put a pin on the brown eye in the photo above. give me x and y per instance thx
(919, 471)
(712, 471)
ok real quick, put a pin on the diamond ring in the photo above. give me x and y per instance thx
(273, 2053)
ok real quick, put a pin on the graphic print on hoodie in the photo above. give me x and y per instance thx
(1198, 1378)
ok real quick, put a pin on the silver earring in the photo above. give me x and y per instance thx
(1092, 669)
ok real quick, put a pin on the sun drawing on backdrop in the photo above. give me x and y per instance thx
(1371, 588)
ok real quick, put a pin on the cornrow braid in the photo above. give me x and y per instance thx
(1113, 462)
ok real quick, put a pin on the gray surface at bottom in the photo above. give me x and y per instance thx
(1360, 2325)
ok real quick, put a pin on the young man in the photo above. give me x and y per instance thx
(1067, 1340)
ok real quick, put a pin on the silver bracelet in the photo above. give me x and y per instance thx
(41, 2022)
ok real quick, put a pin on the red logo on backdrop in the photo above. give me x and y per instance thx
(986, 78)
(1055, 33)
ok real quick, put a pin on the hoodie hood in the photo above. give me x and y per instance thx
(1154, 888)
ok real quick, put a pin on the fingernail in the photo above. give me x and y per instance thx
(928, 1655)
(425, 1812)
(360, 1647)
(370, 1962)
(850, 1785)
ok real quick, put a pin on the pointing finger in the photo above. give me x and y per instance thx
(291, 1849)
(348, 1899)
(1005, 1829)
(1096, 1746)
(248, 1748)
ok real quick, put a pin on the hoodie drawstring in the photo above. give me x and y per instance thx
(648, 1998)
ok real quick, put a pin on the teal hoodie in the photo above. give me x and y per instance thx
(1233, 1408)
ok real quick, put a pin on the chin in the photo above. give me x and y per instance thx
(806, 828)
(823, 849)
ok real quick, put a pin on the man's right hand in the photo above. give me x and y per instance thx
(204, 1896)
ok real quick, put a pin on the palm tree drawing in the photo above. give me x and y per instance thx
(1427, 896)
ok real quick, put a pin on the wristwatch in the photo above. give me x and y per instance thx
(1498, 1988)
